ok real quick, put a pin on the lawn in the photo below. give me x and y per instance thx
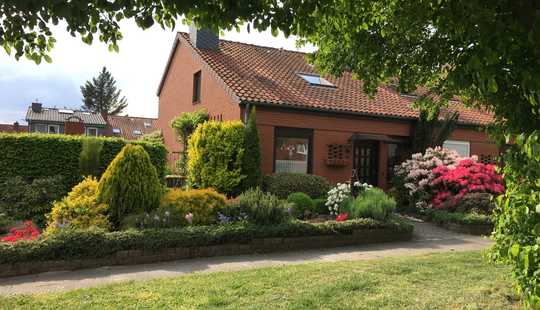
(435, 281)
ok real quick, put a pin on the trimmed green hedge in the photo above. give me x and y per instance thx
(469, 218)
(282, 184)
(72, 245)
(42, 155)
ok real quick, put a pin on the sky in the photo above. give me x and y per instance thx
(137, 69)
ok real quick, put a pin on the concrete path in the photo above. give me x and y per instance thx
(427, 239)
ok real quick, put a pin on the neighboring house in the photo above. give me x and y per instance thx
(307, 123)
(73, 122)
(65, 121)
(13, 128)
(131, 128)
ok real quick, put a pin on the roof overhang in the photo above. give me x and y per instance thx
(371, 137)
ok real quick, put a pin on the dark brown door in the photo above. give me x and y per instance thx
(366, 161)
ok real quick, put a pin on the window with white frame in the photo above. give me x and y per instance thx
(463, 148)
(41, 128)
(91, 131)
(53, 129)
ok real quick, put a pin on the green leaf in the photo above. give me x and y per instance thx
(514, 250)
(47, 58)
(538, 208)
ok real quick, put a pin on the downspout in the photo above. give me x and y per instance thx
(246, 113)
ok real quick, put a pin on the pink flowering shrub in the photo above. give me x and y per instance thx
(414, 175)
(450, 184)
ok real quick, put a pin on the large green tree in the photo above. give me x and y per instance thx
(101, 95)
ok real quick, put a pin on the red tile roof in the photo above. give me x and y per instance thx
(10, 128)
(129, 126)
(269, 75)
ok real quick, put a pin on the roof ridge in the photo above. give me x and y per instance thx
(282, 49)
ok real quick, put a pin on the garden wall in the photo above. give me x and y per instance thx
(37, 155)
(236, 247)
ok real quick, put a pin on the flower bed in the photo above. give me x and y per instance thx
(74, 249)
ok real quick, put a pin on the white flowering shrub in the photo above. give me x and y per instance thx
(340, 194)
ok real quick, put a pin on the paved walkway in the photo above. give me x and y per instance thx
(427, 239)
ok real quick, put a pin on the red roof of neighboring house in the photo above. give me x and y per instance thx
(131, 128)
(11, 128)
(268, 75)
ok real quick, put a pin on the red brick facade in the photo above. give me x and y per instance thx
(329, 130)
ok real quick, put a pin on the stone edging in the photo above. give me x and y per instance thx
(262, 245)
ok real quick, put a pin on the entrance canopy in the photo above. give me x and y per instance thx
(370, 137)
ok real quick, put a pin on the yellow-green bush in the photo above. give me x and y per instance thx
(79, 209)
(202, 203)
(215, 156)
(130, 184)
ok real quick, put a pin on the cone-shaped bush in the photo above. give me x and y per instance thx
(130, 184)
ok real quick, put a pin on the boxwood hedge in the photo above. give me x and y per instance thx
(88, 244)
(39, 155)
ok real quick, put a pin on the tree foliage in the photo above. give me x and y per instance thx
(432, 129)
(101, 95)
(184, 125)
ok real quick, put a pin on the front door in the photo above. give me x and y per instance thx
(366, 161)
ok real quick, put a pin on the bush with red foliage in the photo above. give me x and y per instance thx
(450, 185)
(27, 232)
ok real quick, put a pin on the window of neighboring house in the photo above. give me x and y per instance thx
(463, 148)
(197, 87)
(137, 132)
(91, 131)
(53, 129)
(315, 80)
(293, 150)
(147, 125)
(116, 131)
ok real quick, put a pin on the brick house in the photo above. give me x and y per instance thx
(13, 128)
(307, 123)
(74, 122)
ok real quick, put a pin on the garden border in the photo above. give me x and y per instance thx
(255, 245)
(475, 229)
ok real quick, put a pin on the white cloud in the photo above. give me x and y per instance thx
(137, 68)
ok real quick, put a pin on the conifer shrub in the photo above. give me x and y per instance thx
(252, 159)
(130, 184)
(216, 155)
(202, 204)
(79, 210)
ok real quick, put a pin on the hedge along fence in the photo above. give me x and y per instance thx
(41, 155)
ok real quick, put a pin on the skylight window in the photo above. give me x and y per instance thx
(65, 111)
(316, 80)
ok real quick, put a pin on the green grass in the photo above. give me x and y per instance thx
(435, 281)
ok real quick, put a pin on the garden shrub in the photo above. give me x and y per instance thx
(79, 210)
(34, 156)
(24, 200)
(88, 244)
(476, 202)
(130, 184)
(5, 222)
(302, 204)
(264, 208)
(450, 185)
(159, 218)
(414, 176)
(251, 166)
(517, 217)
(283, 184)
(466, 218)
(89, 160)
(339, 198)
(373, 203)
(203, 204)
(216, 155)
(319, 206)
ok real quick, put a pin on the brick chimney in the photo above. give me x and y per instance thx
(203, 38)
(36, 107)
